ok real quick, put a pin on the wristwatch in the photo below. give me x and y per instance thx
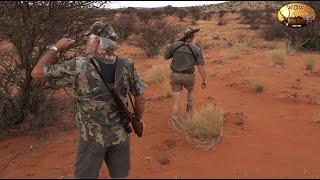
(54, 48)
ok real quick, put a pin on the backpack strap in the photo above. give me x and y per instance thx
(194, 56)
(187, 44)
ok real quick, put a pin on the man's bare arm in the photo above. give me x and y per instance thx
(37, 72)
(48, 58)
(139, 105)
(203, 75)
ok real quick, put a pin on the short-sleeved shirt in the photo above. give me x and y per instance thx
(98, 117)
(183, 59)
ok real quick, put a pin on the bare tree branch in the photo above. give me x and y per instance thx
(30, 26)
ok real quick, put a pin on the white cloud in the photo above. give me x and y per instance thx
(151, 4)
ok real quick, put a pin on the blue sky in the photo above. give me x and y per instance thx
(151, 4)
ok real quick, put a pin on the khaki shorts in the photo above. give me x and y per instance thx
(178, 81)
(91, 156)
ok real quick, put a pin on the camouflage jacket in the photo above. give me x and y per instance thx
(98, 117)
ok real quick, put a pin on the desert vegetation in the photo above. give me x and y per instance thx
(165, 88)
(158, 73)
(125, 25)
(252, 17)
(237, 49)
(309, 62)
(29, 31)
(195, 13)
(278, 56)
(256, 85)
(156, 36)
(181, 13)
(207, 16)
(222, 22)
(204, 125)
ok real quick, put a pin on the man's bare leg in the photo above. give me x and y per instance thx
(175, 107)
(189, 102)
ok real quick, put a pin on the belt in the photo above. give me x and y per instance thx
(184, 72)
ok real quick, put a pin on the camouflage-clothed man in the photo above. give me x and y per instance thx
(185, 55)
(103, 137)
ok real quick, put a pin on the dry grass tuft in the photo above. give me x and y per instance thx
(278, 56)
(316, 117)
(256, 84)
(165, 87)
(158, 73)
(204, 44)
(309, 62)
(237, 49)
(204, 126)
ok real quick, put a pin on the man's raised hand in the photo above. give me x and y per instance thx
(64, 43)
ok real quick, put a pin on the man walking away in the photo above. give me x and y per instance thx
(185, 56)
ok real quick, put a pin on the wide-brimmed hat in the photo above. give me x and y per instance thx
(189, 31)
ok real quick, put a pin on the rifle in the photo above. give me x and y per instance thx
(129, 117)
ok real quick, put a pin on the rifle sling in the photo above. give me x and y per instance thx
(115, 97)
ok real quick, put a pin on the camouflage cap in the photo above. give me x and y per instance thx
(190, 31)
(103, 30)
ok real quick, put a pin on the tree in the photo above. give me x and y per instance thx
(207, 15)
(195, 12)
(144, 15)
(169, 10)
(222, 13)
(252, 17)
(156, 35)
(29, 26)
(181, 13)
(125, 25)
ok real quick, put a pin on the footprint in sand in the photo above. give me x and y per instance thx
(160, 152)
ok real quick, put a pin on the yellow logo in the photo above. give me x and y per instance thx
(296, 15)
